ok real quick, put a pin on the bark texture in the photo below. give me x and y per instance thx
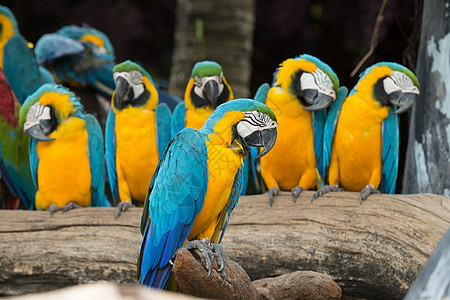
(221, 31)
(427, 166)
(373, 250)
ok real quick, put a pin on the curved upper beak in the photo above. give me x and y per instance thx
(211, 92)
(319, 100)
(37, 132)
(262, 138)
(123, 89)
(403, 101)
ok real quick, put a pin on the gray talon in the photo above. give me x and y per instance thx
(69, 206)
(52, 209)
(368, 190)
(122, 207)
(326, 189)
(208, 249)
(272, 193)
(296, 192)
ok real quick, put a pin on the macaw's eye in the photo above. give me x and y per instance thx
(198, 81)
(221, 77)
(135, 77)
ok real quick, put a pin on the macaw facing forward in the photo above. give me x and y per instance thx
(361, 139)
(196, 186)
(303, 87)
(137, 134)
(66, 150)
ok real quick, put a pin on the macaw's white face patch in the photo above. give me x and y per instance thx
(318, 80)
(134, 78)
(35, 114)
(399, 82)
(254, 121)
(199, 83)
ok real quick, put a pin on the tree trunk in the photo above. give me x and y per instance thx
(220, 31)
(372, 250)
(427, 168)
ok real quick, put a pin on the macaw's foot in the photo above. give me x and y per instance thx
(122, 207)
(52, 209)
(326, 189)
(69, 206)
(272, 193)
(296, 192)
(208, 249)
(369, 189)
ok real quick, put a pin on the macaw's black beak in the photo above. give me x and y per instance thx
(211, 92)
(403, 101)
(37, 132)
(124, 92)
(319, 101)
(262, 138)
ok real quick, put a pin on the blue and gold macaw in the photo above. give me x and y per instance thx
(66, 150)
(302, 88)
(196, 186)
(361, 139)
(137, 134)
(17, 59)
(14, 151)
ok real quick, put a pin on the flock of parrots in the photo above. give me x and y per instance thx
(187, 166)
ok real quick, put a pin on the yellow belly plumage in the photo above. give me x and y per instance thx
(196, 117)
(136, 152)
(292, 160)
(64, 171)
(357, 145)
(223, 164)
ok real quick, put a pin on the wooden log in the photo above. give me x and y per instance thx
(373, 250)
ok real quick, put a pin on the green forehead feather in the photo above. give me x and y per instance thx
(128, 66)
(206, 68)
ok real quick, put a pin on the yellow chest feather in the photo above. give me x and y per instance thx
(196, 118)
(64, 171)
(136, 149)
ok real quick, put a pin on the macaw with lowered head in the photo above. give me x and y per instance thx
(196, 186)
(361, 139)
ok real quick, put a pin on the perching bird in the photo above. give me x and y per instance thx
(17, 59)
(14, 151)
(137, 134)
(207, 88)
(196, 186)
(66, 150)
(361, 139)
(302, 88)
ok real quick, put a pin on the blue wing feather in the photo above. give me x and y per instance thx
(330, 127)
(178, 119)
(244, 177)
(171, 100)
(34, 162)
(96, 161)
(110, 155)
(318, 123)
(176, 194)
(163, 117)
(390, 135)
(20, 68)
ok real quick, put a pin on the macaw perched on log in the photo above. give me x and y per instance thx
(14, 151)
(302, 89)
(137, 134)
(66, 150)
(196, 186)
(19, 64)
(361, 139)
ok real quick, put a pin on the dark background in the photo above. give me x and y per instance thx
(337, 32)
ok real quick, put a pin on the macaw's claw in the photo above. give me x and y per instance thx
(326, 189)
(369, 189)
(122, 207)
(272, 193)
(69, 206)
(52, 209)
(208, 249)
(296, 192)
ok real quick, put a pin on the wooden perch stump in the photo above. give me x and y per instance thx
(373, 250)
